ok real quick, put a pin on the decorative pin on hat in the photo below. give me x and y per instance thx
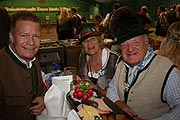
(125, 24)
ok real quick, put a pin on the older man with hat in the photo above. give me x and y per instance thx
(97, 62)
(145, 85)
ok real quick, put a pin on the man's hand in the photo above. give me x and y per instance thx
(126, 108)
(37, 106)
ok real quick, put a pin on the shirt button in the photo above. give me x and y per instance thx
(28, 76)
(131, 92)
(29, 91)
(129, 100)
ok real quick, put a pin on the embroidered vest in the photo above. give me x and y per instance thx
(104, 80)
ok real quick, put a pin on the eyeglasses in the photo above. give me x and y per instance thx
(25, 36)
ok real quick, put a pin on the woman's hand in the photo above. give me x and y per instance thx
(38, 105)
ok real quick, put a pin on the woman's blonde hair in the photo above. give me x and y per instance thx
(170, 46)
(64, 16)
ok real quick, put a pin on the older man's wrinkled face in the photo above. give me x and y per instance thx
(134, 50)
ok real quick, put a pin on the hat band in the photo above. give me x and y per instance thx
(87, 31)
(86, 34)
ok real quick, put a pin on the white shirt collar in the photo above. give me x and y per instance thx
(29, 65)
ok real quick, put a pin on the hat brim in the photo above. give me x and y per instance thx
(89, 35)
(122, 39)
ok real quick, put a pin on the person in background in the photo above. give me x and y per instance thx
(21, 86)
(178, 12)
(173, 7)
(145, 85)
(174, 15)
(4, 27)
(64, 27)
(47, 23)
(106, 20)
(144, 11)
(145, 21)
(57, 25)
(162, 22)
(108, 15)
(75, 19)
(98, 22)
(170, 46)
(98, 19)
(83, 19)
(97, 63)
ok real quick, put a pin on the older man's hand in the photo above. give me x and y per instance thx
(38, 106)
(126, 108)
